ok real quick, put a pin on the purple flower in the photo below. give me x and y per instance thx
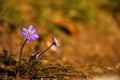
(30, 33)
(55, 42)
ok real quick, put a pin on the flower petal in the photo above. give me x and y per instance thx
(24, 33)
(57, 47)
(28, 37)
(36, 35)
(55, 43)
(34, 31)
(33, 38)
(30, 28)
(24, 29)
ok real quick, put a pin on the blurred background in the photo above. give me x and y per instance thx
(88, 31)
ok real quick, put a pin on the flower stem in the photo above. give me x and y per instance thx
(45, 50)
(20, 56)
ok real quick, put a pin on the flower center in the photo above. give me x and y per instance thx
(29, 33)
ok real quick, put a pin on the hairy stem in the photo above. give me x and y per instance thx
(45, 50)
(20, 56)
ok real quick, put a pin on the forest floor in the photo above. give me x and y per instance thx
(85, 52)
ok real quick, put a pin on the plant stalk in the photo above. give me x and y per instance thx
(20, 56)
(45, 50)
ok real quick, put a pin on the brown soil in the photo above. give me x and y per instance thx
(92, 51)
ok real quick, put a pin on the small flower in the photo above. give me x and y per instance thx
(55, 42)
(30, 33)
